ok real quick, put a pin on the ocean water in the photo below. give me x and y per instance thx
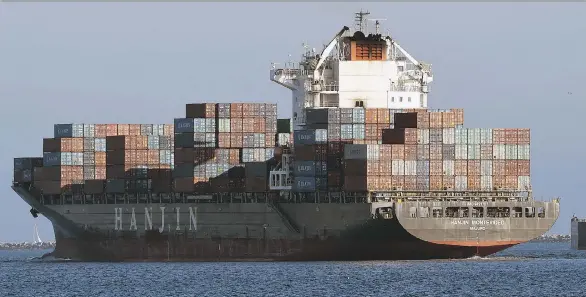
(531, 269)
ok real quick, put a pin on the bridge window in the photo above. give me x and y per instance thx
(529, 212)
(517, 212)
(477, 212)
(359, 103)
(400, 99)
(457, 212)
(437, 212)
(424, 212)
(498, 212)
(541, 212)
(409, 99)
(413, 212)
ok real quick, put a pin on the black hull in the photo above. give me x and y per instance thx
(376, 240)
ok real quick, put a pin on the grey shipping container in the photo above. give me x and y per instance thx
(304, 184)
(316, 116)
(184, 140)
(183, 170)
(304, 168)
(256, 169)
(355, 151)
(115, 186)
(27, 163)
(51, 159)
(63, 130)
(304, 137)
(184, 125)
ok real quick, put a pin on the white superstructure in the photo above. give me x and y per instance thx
(357, 68)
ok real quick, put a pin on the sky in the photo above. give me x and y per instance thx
(507, 64)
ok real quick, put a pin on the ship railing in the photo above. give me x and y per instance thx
(395, 88)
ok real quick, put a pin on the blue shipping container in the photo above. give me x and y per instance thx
(304, 168)
(51, 159)
(304, 137)
(184, 125)
(63, 130)
(304, 184)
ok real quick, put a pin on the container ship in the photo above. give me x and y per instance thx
(363, 170)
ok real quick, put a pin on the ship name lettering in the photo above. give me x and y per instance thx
(148, 219)
(477, 228)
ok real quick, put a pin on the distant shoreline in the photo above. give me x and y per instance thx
(26, 246)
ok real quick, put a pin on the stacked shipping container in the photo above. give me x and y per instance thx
(416, 150)
(78, 159)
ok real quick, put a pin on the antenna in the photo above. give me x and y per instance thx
(359, 19)
(377, 23)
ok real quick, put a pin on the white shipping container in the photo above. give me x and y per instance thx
(66, 159)
(283, 139)
(474, 152)
(523, 152)
(461, 183)
(358, 131)
(411, 168)
(449, 135)
(486, 167)
(499, 151)
(486, 136)
(89, 130)
(461, 135)
(398, 167)
(461, 151)
(486, 182)
(511, 151)
(77, 130)
(100, 144)
(77, 159)
(346, 131)
(473, 136)
(89, 159)
(321, 135)
(524, 182)
(373, 152)
(449, 167)
(224, 125)
(423, 136)
(269, 153)
(158, 130)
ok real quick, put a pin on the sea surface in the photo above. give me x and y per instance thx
(530, 269)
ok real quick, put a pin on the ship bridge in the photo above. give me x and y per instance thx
(357, 68)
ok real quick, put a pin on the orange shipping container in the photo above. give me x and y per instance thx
(370, 131)
(523, 168)
(436, 167)
(448, 120)
(511, 136)
(436, 183)
(524, 136)
(372, 168)
(511, 182)
(236, 140)
(111, 130)
(370, 115)
(511, 167)
(386, 167)
(498, 136)
(423, 120)
(474, 168)
(498, 181)
(77, 145)
(398, 181)
(474, 182)
(461, 167)
(100, 172)
(498, 168)
(458, 116)
(385, 183)
(223, 140)
(410, 152)
(372, 183)
(386, 151)
(435, 120)
(169, 130)
(448, 182)
(410, 136)
(383, 116)
(236, 125)
(398, 151)
(66, 145)
(153, 157)
(134, 129)
(100, 158)
(123, 129)
(101, 130)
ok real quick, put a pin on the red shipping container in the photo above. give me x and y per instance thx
(511, 136)
(383, 116)
(524, 136)
(134, 129)
(101, 130)
(124, 129)
(435, 120)
(386, 167)
(410, 136)
(385, 183)
(511, 182)
(371, 132)
(498, 136)
(373, 168)
(448, 182)
(436, 182)
(111, 130)
(498, 181)
(236, 125)
(511, 167)
(153, 157)
(372, 183)
(524, 168)
(448, 120)
(435, 152)
(236, 140)
(398, 181)
(223, 140)
(410, 183)
(423, 120)
(371, 115)
(436, 167)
